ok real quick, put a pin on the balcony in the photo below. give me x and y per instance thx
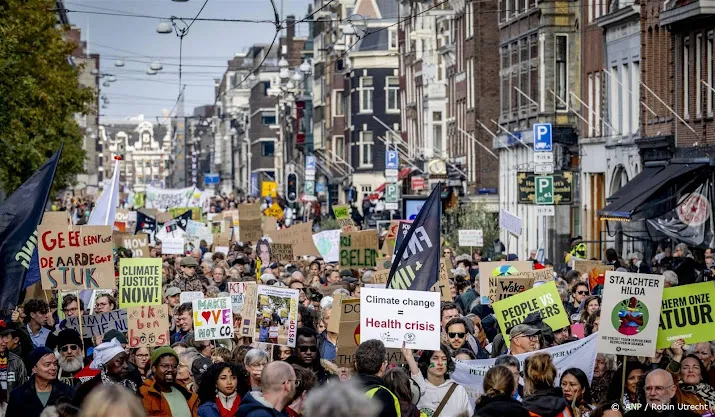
(682, 10)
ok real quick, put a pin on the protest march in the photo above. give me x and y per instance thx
(220, 308)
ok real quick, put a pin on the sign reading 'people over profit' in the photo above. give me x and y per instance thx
(687, 313)
(629, 314)
(544, 299)
(139, 281)
(76, 257)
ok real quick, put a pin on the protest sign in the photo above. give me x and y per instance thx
(248, 313)
(508, 286)
(164, 198)
(687, 313)
(300, 236)
(213, 318)
(231, 215)
(282, 252)
(269, 224)
(138, 244)
(327, 243)
(595, 272)
(358, 249)
(490, 271)
(545, 299)
(345, 321)
(173, 246)
(250, 218)
(197, 229)
(629, 314)
(139, 281)
(380, 276)
(76, 257)
(342, 216)
(276, 307)
(274, 211)
(148, 326)
(189, 296)
(99, 324)
(400, 317)
(442, 286)
(178, 211)
(470, 238)
(238, 294)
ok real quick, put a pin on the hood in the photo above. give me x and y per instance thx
(546, 403)
(254, 401)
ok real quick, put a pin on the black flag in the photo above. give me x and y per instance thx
(19, 216)
(145, 224)
(416, 263)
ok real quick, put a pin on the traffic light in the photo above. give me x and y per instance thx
(291, 187)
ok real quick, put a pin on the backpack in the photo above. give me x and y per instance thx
(372, 390)
(566, 412)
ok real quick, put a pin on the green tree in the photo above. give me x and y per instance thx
(39, 95)
(469, 217)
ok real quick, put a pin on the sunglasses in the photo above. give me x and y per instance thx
(582, 292)
(308, 348)
(453, 335)
(65, 348)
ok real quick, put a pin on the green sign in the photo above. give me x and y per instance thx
(392, 193)
(309, 187)
(544, 189)
(687, 313)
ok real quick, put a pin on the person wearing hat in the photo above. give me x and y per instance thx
(42, 389)
(346, 275)
(133, 373)
(172, 298)
(523, 339)
(188, 279)
(268, 278)
(15, 373)
(70, 357)
(112, 360)
(162, 396)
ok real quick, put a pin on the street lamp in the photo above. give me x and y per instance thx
(150, 71)
(298, 76)
(156, 66)
(164, 27)
(119, 63)
(283, 63)
(305, 67)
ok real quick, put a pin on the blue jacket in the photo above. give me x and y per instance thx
(25, 402)
(256, 407)
(208, 409)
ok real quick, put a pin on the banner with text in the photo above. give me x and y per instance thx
(148, 326)
(138, 244)
(99, 324)
(687, 313)
(139, 281)
(358, 249)
(300, 236)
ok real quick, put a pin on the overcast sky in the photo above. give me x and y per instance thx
(206, 48)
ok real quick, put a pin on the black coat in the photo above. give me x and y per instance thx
(25, 402)
(499, 406)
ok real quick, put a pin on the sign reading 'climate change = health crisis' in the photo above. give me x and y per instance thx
(630, 314)
(400, 317)
(687, 313)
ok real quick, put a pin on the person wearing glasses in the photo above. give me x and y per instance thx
(579, 292)
(307, 354)
(218, 390)
(456, 330)
(162, 396)
(523, 339)
(70, 357)
(278, 388)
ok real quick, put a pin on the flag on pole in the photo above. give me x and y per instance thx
(416, 263)
(106, 207)
(19, 216)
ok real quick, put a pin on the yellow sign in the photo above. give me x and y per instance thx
(274, 211)
(269, 189)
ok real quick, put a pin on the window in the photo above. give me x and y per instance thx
(502, 11)
(268, 148)
(709, 75)
(635, 96)
(626, 104)
(392, 38)
(597, 103)
(560, 72)
(616, 90)
(504, 72)
(268, 119)
(339, 146)
(437, 140)
(266, 87)
(366, 92)
(338, 103)
(365, 149)
(392, 92)
(469, 82)
(590, 4)
(686, 76)
(590, 100)
(366, 189)
(698, 75)
(469, 12)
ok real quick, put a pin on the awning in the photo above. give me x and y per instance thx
(632, 196)
(404, 172)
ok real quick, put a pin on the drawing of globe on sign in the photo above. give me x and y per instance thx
(630, 316)
(504, 271)
(324, 245)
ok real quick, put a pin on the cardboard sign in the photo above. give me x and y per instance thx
(99, 324)
(358, 249)
(596, 271)
(178, 211)
(276, 307)
(508, 286)
(282, 252)
(270, 224)
(173, 246)
(76, 257)
(345, 321)
(471, 237)
(443, 285)
(248, 313)
(490, 271)
(630, 314)
(687, 313)
(231, 215)
(380, 276)
(342, 216)
(400, 317)
(544, 299)
(138, 244)
(148, 326)
(190, 296)
(213, 318)
(274, 211)
(250, 217)
(139, 281)
(300, 236)
(238, 295)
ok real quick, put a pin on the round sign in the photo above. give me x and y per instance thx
(630, 316)
(694, 210)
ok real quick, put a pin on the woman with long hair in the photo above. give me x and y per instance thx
(631, 394)
(498, 398)
(111, 400)
(218, 390)
(691, 378)
(441, 392)
(590, 304)
(603, 370)
(576, 389)
(397, 380)
(540, 396)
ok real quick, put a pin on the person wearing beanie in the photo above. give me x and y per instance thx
(42, 389)
(70, 356)
(12, 369)
(162, 396)
(112, 361)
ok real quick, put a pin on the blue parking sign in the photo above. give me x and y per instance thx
(310, 162)
(392, 160)
(543, 141)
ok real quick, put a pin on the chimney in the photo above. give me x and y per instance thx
(290, 24)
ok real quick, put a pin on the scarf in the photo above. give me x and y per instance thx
(227, 405)
(704, 391)
(599, 387)
(125, 382)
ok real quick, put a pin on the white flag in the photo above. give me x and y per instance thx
(106, 207)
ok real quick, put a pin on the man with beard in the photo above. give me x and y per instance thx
(163, 396)
(69, 356)
(187, 279)
(113, 362)
(307, 354)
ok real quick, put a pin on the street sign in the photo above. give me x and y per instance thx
(544, 190)
(392, 193)
(309, 175)
(309, 187)
(418, 183)
(542, 137)
(392, 160)
(310, 162)
(391, 206)
(545, 211)
(254, 184)
(210, 178)
(543, 168)
(390, 175)
(544, 158)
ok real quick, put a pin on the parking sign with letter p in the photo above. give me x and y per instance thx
(542, 137)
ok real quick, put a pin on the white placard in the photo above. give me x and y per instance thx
(222, 249)
(398, 316)
(238, 294)
(173, 246)
(213, 318)
(190, 296)
(471, 238)
(630, 314)
(546, 211)
(510, 222)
